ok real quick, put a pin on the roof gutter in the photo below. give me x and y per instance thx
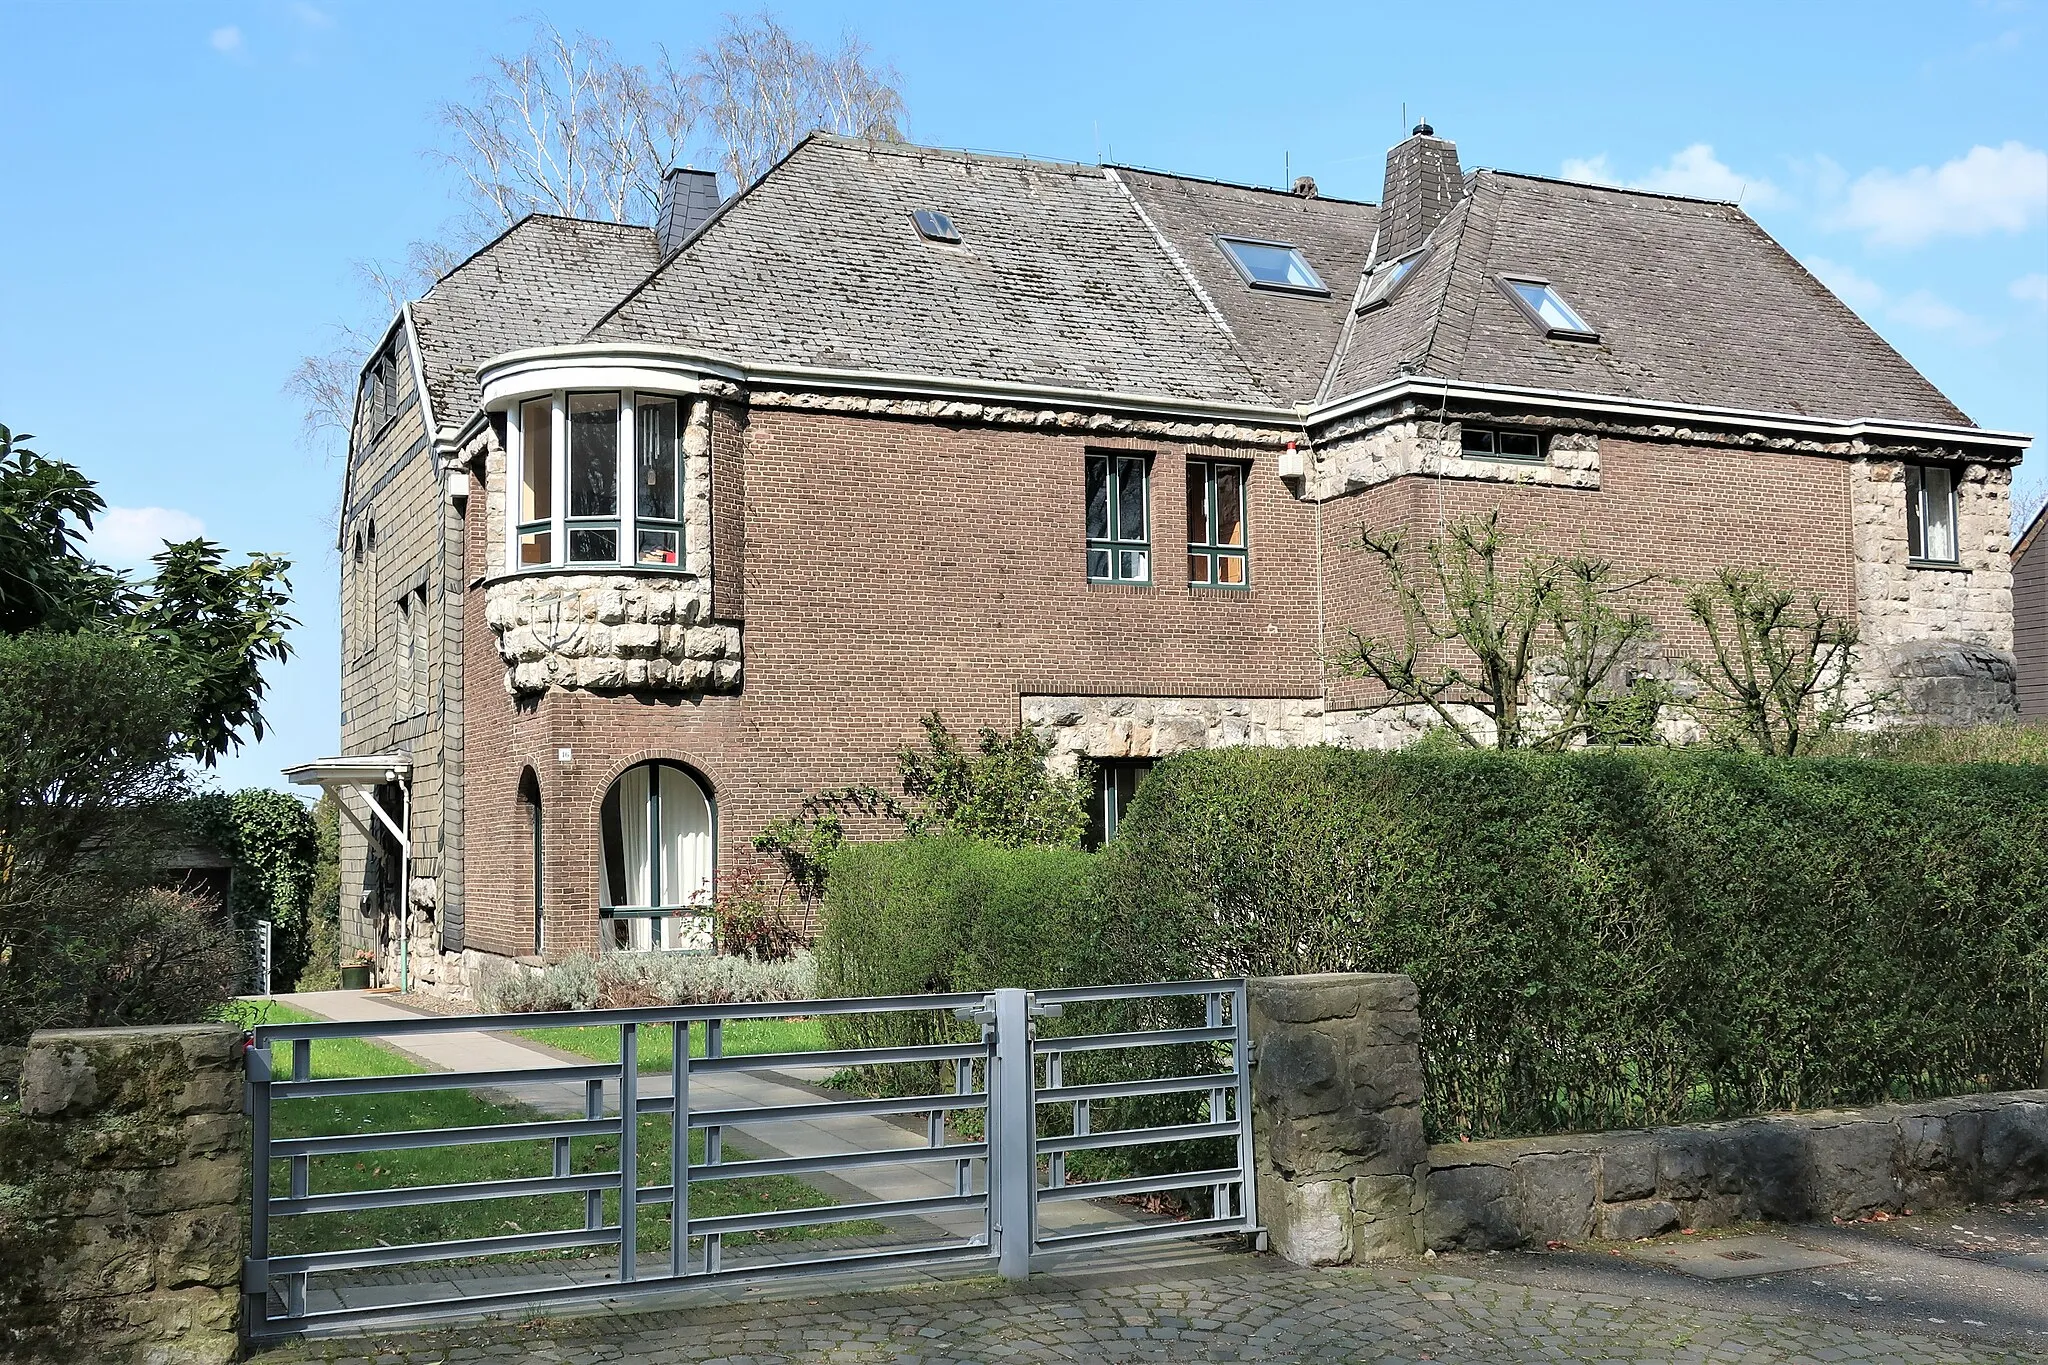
(684, 362)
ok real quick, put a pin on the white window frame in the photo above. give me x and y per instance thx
(627, 556)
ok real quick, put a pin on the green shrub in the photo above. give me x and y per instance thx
(1604, 940)
(2001, 742)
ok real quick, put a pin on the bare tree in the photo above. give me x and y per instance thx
(570, 127)
(1780, 668)
(1503, 627)
(764, 91)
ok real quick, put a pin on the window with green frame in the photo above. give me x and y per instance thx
(1216, 525)
(1119, 537)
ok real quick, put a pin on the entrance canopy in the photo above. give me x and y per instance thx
(353, 770)
(359, 773)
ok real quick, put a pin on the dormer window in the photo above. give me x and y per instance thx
(1386, 280)
(934, 226)
(1272, 265)
(1543, 305)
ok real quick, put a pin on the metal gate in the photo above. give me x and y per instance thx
(1035, 1138)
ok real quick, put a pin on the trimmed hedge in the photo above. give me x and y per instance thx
(1614, 939)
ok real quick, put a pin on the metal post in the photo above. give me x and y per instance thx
(679, 1152)
(1015, 1177)
(256, 1273)
(629, 1151)
(302, 1175)
(963, 1083)
(1241, 1062)
(1219, 1197)
(593, 1200)
(714, 1145)
(1056, 1164)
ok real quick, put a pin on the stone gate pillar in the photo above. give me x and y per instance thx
(1340, 1159)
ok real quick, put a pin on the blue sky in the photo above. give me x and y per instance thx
(189, 184)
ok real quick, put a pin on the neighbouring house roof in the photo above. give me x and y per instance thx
(544, 281)
(1111, 279)
(1694, 304)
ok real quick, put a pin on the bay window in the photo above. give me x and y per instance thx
(600, 481)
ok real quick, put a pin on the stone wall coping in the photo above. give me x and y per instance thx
(1505, 1151)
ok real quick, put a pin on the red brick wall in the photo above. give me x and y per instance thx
(890, 567)
(1674, 511)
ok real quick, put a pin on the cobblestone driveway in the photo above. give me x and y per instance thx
(1228, 1309)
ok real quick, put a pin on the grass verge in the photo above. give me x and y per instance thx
(743, 1038)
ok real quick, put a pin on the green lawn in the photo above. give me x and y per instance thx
(482, 1161)
(743, 1038)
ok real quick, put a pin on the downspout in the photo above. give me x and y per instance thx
(405, 885)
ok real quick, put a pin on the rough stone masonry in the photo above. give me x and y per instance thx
(123, 1187)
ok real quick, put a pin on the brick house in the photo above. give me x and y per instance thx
(2030, 616)
(650, 531)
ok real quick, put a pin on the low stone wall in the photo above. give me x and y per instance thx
(1779, 1168)
(123, 1198)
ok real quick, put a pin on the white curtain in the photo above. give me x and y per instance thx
(686, 847)
(633, 798)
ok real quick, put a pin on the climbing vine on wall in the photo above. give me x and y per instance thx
(274, 844)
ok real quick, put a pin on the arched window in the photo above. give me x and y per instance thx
(529, 806)
(657, 825)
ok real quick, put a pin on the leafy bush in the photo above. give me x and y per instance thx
(2004, 742)
(625, 981)
(1616, 939)
(275, 845)
(758, 912)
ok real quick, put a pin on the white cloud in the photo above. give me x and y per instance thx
(1920, 309)
(1863, 294)
(228, 39)
(1988, 189)
(1693, 171)
(310, 16)
(128, 536)
(2031, 289)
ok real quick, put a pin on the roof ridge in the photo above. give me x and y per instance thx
(1470, 204)
(1611, 189)
(1317, 198)
(919, 149)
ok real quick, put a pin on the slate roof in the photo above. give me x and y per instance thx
(541, 283)
(1110, 279)
(1056, 280)
(1694, 303)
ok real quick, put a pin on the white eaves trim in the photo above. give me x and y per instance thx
(506, 378)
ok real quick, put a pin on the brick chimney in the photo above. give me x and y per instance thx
(1423, 181)
(688, 197)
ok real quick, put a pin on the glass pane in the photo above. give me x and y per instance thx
(588, 546)
(1941, 514)
(1476, 441)
(659, 547)
(1550, 306)
(1229, 505)
(1098, 564)
(1230, 570)
(535, 547)
(1916, 537)
(1098, 498)
(593, 455)
(654, 432)
(1198, 568)
(537, 460)
(1198, 504)
(1274, 264)
(1133, 566)
(1521, 445)
(1130, 500)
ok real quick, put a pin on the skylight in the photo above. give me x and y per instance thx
(1271, 265)
(1545, 307)
(1388, 278)
(934, 226)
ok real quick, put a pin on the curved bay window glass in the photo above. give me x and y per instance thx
(657, 484)
(536, 480)
(656, 828)
(593, 478)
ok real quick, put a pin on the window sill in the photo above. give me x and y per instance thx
(1938, 565)
(587, 571)
(1099, 585)
(1221, 592)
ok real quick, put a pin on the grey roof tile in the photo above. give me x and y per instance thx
(1694, 303)
(541, 283)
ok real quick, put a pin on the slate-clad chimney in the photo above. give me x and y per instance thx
(688, 197)
(1423, 182)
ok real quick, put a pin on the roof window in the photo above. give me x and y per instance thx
(1387, 279)
(1272, 265)
(934, 226)
(1544, 306)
